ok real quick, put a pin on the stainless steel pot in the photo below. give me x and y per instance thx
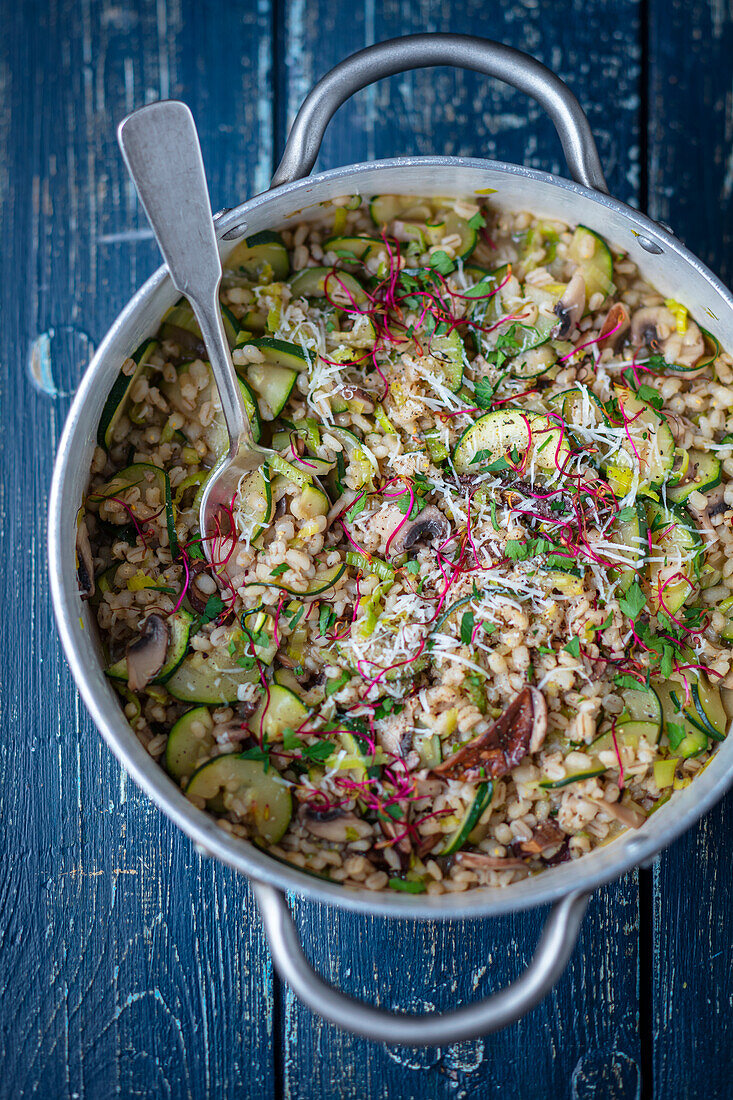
(661, 258)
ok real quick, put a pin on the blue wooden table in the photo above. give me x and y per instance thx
(129, 966)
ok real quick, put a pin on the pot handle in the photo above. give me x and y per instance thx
(422, 51)
(438, 1029)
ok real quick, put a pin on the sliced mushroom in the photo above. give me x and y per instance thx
(628, 815)
(428, 526)
(656, 327)
(714, 505)
(146, 655)
(615, 327)
(504, 744)
(84, 560)
(359, 400)
(547, 835)
(570, 308)
(339, 828)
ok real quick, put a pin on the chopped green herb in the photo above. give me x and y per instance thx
(634, 602)
(279, 569)
(484, 393)
(414, 887)
(440, 261)
(332, 686)
(467, 625)
(477, 221)
(573, 647)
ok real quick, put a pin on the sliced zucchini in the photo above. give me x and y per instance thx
(429, 748)
(497, 434)
(678, 729)
(641, 705)
(646, 446)
(705, 708)
(385, 208)
(271, 384)
(215, 677)
(180, 325)
(115, 404)
(252, 409)
(281, 709)
(478, 804)
(575, 777)
(358, 467)
(142, 476)
(449, 352)
(703, 473)
(628, 539)
(451, 224)
(255, 506)
(350, 249)
(237, 785)
(262, 257)
(675, 542)
(179, 627)
(589, 250)
(327, 282)
(627, 732)
(276, 353)
(189, 741)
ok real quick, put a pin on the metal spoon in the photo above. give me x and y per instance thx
(163, 155)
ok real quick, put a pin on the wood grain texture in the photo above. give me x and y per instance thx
(589, 1047)
(691, 187)
(128, 967)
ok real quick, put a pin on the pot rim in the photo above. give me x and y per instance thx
(620, 856)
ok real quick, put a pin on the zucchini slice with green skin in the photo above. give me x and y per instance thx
(480, 801)
(496, 434)
(627, 732)
(593, 256)
(641, 705)
(189, 741)
(141, 476)
(429, 748)
(181, 318)
(575, 777)
(647, 444)
(675, 541)
(705, 709)
(276, 353)
(678, 729)
(278, 711)
(449, 352)
(702, 474)
(629, 536)
(271, 385)
(254, 255)
(251, 408)
(179, 626)
(451, 224)
(255, 504)
(385, 208)
(350, 249)
(235, 784)
(115, 404)
(215, 677)
(327, 282)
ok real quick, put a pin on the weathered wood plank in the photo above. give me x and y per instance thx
(588, 1045)
(691, 187)
(127, 965)
(462, 113)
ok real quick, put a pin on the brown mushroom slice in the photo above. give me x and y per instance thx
(504, 744)
(615, 327)
(338, 828)
(570, 308)
(547, 835)
(631, 816)
(146, 656)
(429, 526)
(656, 328)
(84, 560)
(714, 505)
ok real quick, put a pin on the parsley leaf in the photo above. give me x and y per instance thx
(634, 602)
(318, 752)
(356, 508)
(516, 550)
(624, 681)
(279, 569)
(467, 625)
(440, 261)
(413, 567)
(195, 552)
(675, 733)
(573, 647)
(214, 607)
(477, 221)
(650, 395)
(483, 393)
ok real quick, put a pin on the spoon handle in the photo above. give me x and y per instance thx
(162, 153)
